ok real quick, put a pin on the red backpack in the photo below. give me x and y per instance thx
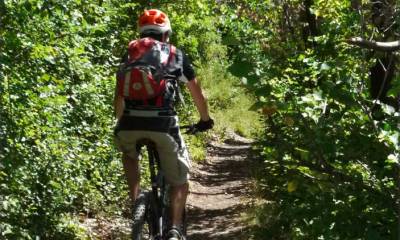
(142, 76)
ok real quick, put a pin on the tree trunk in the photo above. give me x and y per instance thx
(310, 18)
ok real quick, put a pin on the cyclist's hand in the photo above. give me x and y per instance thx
(201, 126)
(205, 125)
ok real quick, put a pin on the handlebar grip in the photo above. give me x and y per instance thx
(191, 129)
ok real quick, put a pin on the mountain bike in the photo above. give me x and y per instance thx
(151, 208)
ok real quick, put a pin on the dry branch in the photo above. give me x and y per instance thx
(379, 46)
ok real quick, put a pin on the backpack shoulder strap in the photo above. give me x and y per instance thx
(171, 59)
(172, 53)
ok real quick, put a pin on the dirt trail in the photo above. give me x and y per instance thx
(220, 192)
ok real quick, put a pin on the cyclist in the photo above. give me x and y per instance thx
(139, 119)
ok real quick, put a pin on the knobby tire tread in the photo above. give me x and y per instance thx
(139, 216)
(152, 216)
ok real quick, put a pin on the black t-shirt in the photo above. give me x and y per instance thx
(187, 67)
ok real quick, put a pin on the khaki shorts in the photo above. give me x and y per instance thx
(174, 159)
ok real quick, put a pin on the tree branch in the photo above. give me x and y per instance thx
(379, 46)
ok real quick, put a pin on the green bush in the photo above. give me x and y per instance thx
(330, 164)
(57, 62)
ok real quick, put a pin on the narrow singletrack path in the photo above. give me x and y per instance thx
(220, 192)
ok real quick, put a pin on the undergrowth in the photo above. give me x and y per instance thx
(229, 106)
(229, 102)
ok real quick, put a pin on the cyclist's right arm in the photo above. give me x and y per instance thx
(118, 103)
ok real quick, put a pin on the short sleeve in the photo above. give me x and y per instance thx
(188, 70)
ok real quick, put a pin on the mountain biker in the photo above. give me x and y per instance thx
(139, 119)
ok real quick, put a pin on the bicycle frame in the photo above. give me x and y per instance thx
(152, 206)
(158, 200)
(159, 191)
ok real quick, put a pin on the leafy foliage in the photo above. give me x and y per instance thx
(330, 153)
(330, 168)
(58, 61)
(57, 150)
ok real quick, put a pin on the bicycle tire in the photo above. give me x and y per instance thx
(139, 216)
(152, 216)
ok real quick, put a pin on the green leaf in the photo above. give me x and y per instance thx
(230, 40)
(393, 159)
(304, 154)
(324, 67)
(241, 68)
(395, 88)
(256, 106)
(372, 234)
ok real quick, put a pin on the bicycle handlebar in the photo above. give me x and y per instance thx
(201, 126)
(191, 129)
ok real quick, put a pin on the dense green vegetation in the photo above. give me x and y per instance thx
(58, 60)
(329, 148)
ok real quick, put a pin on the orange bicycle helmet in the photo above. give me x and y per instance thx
(154, 20)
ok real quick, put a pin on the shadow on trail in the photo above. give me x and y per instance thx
(216, 224)
(220, 184)
(228, 151)
(230, 169)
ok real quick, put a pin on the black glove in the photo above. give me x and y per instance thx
(201, 126)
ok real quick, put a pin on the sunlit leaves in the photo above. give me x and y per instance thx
(318, 117)
(58, 60)
(324, 154)
(57, 112)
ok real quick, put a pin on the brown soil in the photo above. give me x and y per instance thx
(220, 192)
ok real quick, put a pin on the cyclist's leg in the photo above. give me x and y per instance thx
(132, 174)
(175, 164)
(126, 143)
(178, 201)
